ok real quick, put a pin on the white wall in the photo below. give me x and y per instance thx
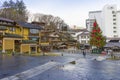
(85, 38)
(107, 18)
(118, 23)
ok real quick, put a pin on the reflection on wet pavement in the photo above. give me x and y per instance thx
(10, 65)
(84, 69)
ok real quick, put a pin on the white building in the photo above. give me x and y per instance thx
(108, 20)
(84, 37)
(81, 35)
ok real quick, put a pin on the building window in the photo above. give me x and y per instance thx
(34, 39)
(82, 37)
(114, 19)
(91, 24)
(115, 36)
(12, 29)
(114, 27)
(111, 7)
(114, 15)
(83, 41)
(113, 12)
(34, 31)
(114, 31)
(88, 37)
(114, 23)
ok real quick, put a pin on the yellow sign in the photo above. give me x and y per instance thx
(44, 44)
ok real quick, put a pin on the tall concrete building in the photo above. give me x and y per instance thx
(108, 20)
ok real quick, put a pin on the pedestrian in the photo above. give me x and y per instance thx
(13, 53)
(109, 52)
(62, 54)
(84, 53)
(112, 55)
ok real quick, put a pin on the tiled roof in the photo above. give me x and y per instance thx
(12, 35)
(54, 34)
(85, 33)
(6, 20)
(29, 25)
(28, 41)
(78, 30)
(112, 44)
(111, 38)
(34, 36)
(95, 11)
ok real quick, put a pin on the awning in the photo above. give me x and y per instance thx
(112, 44)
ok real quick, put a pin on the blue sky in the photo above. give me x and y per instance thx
(73, 12)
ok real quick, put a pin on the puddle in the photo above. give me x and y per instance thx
(67, 67)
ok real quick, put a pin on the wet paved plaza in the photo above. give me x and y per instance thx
(84, 69)
(10, 65)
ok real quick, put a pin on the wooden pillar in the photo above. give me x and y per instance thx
(29, 49)
(40, 37)
(21, 49)
(13, 45)
(36, 49)
(3, 45)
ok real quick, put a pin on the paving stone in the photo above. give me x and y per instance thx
(31, 72)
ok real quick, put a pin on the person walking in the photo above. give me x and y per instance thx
(111, 53)
(84, 54)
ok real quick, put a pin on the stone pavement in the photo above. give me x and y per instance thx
(60, 69)
(84, 69)
(11, 65)
(31, 72)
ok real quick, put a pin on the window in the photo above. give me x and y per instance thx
(114, 19)
(83, 41)
(114, 15)
(115, 35)
(35, 39)
(84, 37)
(88, 37)
(91, 24)
(111, 7)
(114, 31)
(81, 37)
(34, 31)
(12, 29)
(114, 27)
(113, 12)
(114, 23)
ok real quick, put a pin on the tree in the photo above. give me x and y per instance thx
(96, 37)
(14, 10)
(52, 22)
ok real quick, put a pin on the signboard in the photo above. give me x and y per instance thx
(44, 44)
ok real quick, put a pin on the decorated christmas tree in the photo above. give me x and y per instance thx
(96, 37)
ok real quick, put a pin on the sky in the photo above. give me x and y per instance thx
(73, 12)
